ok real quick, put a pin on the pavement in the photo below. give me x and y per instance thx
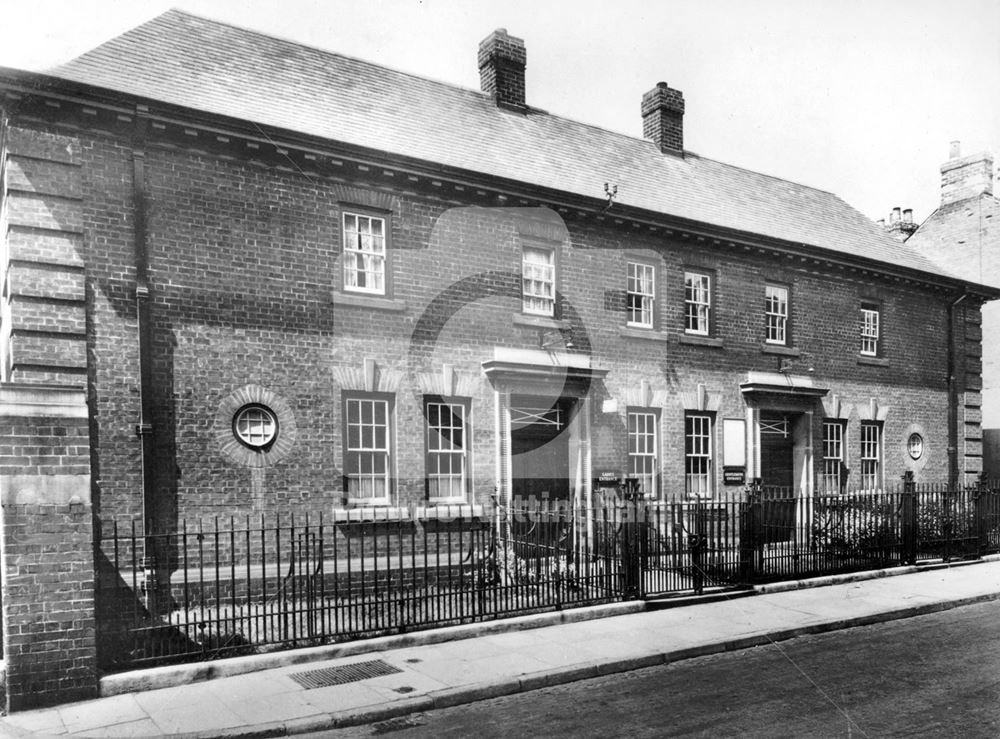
(281, 694)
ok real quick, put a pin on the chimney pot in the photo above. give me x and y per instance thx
(908, 215)
(894, 218)
(663, 118)
(955, 150)
(502, 59)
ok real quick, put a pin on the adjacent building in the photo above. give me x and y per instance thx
(963, 237)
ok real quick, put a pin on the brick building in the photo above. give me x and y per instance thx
(962, 236)
(287, 280)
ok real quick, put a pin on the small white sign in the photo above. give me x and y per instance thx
(734, 442)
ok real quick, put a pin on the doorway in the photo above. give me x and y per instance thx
(777, 465)
(539, 440)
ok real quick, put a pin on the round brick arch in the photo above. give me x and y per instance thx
(239, 452)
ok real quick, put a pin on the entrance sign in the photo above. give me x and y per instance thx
(734, 475)
(608, 478)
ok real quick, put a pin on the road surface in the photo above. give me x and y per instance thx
(932, 676)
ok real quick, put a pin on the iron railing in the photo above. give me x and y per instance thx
(239, 586)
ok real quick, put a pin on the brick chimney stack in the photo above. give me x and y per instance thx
(663, 118)
(501, 69)
(900, 225)
(965, 177)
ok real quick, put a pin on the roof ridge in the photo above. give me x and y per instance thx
(284, 40)
(451, 86)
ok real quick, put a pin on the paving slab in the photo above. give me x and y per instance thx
(84, 716)
(490, 659)
(142, 728)
(42, 722)
(206, 714)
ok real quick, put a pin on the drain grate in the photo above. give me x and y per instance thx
(342, 674)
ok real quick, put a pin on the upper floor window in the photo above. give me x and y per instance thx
(447, 449)
(643, 457)
(871, 454)
(364, 254)
(870, 329)
(697, 303)
(776, 314)
(367, 448)
(641, 294)
(698, 455)
(538, 281)
(833, 456)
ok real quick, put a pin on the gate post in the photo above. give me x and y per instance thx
(908, 511)
(750, 537)
(698, 545)
(631, 546)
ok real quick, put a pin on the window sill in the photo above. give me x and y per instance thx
(449, 511)
(785, 351)
(370, 513)
(873, 361)
(649, 334)
(697, 340)
(526, 319)
(375, 302)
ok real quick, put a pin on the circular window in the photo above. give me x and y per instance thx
(255, 426)
(915, 446)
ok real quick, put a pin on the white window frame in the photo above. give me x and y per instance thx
(442, 449)
(365, 260)
(538, 280)
(871, 455)
(776, 312)
(697, 303)
(644, 450)
(364, 451)
(698, 451)
(870, 329)
(833, 456)
(256, 426)
(640, 295)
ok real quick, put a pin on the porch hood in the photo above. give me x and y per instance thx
(781, 383)
(525, 365)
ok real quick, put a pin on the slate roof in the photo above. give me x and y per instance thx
(963, 238)
(217, 68)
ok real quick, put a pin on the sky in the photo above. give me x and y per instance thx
(857, 97)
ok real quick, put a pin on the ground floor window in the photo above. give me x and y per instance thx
(833, 456)
(698, 455)
(643, 456)
(367, 449)
(871, 455)
(447, 448)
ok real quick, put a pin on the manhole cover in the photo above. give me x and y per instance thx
(342, 674)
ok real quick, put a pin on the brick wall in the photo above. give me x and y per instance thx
(44, 334)
(245, 272)
(47, 546)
